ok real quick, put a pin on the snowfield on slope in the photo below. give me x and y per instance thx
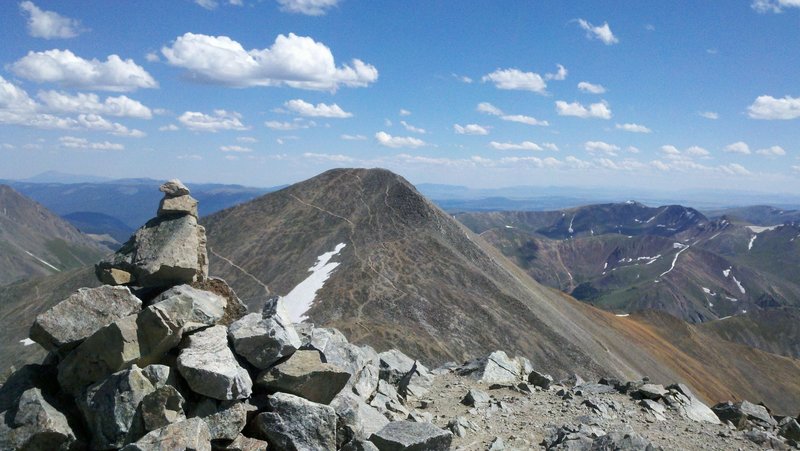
(299, 300)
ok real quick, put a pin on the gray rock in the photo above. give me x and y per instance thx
(79, 316)
(180, 205)
(388, 402)
(365, 382)
(242, 443)
(790, 429)
(35, 425)
(234, 307)
(684, 401)
(162, 407)
(477, 398)
(653, 406)
(295, 424)
(110, 349)
(495, 368)
(174, 188)
(411, 377)
(592, 389)
(210, 368)
(356, 420)
(264, 338)
(360, 362)
(111, 408)
(159, 375)
(408, 435)
(164, 252)
(497, 445)
(191, 434)
(359, 445)
(227, 422)
(174, 313)
(623, 441)
(743, 413)
(540, 379)
(765, 439)
(420, 417)
(651, 391)
(304, 375)
(460, 426)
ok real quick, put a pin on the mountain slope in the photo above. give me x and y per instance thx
(628, 257)
(35, 242)
(410, 276)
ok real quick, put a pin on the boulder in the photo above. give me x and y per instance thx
(210, 368)
(650, 391)
(359, 445)
(356, 420)
(494, 368)
(160, 375)
(180, 205)
(360, 362)
(540, 379)
(242, 443)
(460, 426)
(408, 435)
(162, 407)
(477, 398)
(411, 377)
(174, 313)
(264, 338)
(388, 401)
(228, 421)
(304, 375)
(234, 307)
(35, 425)
(174, 188)
(164, 252)
(191, 434)
(295, 424)
(743, 413)
(111, 408)
(790, 429)
(112, 348)
(682, 399)
(79, 316)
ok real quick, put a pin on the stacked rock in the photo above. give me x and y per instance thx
(169, 250)
(164, 357)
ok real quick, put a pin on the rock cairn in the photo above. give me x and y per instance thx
(163, 357)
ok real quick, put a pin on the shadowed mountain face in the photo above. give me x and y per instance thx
(35, 242)
(628, 257)
(409, 276)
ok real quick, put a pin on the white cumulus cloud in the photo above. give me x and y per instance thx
(67, 69)
(388, 140)
(218, 120)
(595, 110)
(515, 79)
(470, 129)
(591, 88)
(770, 108)
(773, 151)
(524, 145)
(296, 124)
(522, 119)
(49, 24)
(739, 147)
(237, 149)
(304, 108)
(601, 32)
(734, 169)
(633, 128)
(697, 151)
(307, 7)
(121, 106)
(347, 137)
(83, 143)
(602, 147)
(709, 115)
(560, 74)
(488, 108)
(294, 61)
(773, 6)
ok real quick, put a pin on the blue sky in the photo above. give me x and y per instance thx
(665, 95)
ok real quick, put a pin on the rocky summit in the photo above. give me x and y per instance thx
(164, 358)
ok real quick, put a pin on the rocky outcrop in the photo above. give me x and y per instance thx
(304, 374)
(266, 337)
(210, 368)
(79, 316)
(295, 424)
(169, 250)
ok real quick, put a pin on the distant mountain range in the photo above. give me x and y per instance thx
(35, 242)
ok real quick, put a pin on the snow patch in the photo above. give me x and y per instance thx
(42, 261)
(510, 227)
(27, 342)
(299, 300)
(622, 315)
(682, 248)
(731, 299)
(759, 229)
(570, 223)
(605, 265)
(750, 244)
(726, 272)
(708, 291)
(739, 284)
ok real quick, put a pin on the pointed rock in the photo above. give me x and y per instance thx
(191, 434)
(210, 368)
(296, 424)
(411, 377)
(79, 316)
(174, 188)
(35, 425)
(264, 338)
(111, 408)
(408, 435)
(304, 375)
